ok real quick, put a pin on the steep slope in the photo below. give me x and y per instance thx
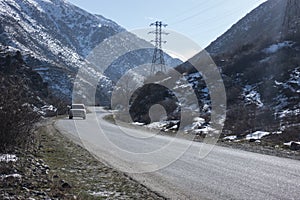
(56, 37)
(273, 21)
(53, 27)
(259, 60)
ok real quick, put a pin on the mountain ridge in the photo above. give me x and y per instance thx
(55, 38)
(268, 18)
(260, 66)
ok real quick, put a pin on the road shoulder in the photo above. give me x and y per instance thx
(58, 168)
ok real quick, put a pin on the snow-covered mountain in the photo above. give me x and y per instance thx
(62, 27)
(55, 37)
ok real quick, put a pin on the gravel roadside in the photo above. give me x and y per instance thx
(57, 168)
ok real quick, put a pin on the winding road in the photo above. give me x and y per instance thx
(178, 172)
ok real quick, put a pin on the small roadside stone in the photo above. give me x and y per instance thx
(65, 185)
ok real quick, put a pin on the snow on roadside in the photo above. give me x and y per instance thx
(163, 125)
(198, 122)
(137, 123)
(231, 137)
(290, 143)
(257, 135)
(8, 158)
(206, 130)
(46, 110)
(156, 125)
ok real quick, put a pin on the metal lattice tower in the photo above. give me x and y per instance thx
(158, 56)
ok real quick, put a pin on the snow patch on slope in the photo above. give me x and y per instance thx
(257, 135)
(276, 47)
(251, 95)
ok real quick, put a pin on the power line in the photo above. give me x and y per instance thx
(186, 11)
(201, 12)
(212, 20)
(217, 19)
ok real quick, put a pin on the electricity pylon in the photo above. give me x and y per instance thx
(158, 56)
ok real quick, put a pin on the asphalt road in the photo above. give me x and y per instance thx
(165, 165)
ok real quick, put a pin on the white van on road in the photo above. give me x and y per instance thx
(77, 110)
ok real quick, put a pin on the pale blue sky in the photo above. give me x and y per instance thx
(201, 20)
